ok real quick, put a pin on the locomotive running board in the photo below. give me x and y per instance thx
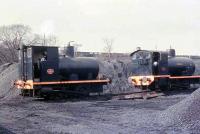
(185, 77)
(72, 82)
(176, 77)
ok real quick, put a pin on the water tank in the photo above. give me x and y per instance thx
(181, 66)
(78, 68)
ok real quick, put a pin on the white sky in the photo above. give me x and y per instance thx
(131, 23)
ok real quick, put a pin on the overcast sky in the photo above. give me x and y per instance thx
(131, 23)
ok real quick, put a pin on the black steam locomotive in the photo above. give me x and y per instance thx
(162, 70)
(44, 71)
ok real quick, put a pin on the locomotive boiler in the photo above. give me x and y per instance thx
(44, 71)
(161, 70)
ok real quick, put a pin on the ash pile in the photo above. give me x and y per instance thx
(118, 71)
(184, 115)
(8, 73)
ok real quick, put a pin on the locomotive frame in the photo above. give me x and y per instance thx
(41, 83)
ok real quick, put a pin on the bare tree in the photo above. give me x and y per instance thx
(108, 46)
(10, 39)
(12, 36)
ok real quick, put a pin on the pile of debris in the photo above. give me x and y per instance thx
(185, 114)
(8, 73)
(118, 71)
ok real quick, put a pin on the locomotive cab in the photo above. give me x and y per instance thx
(39, 63)
(160, 68)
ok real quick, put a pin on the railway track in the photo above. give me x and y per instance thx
(143, 94)
(138, 95)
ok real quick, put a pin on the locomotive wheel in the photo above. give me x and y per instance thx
(46, 97)
(82, 90)
(152, 87)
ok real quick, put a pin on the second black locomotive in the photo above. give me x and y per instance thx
(161, 69)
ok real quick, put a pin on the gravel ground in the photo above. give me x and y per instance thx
(184, 114)
(28, 115)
